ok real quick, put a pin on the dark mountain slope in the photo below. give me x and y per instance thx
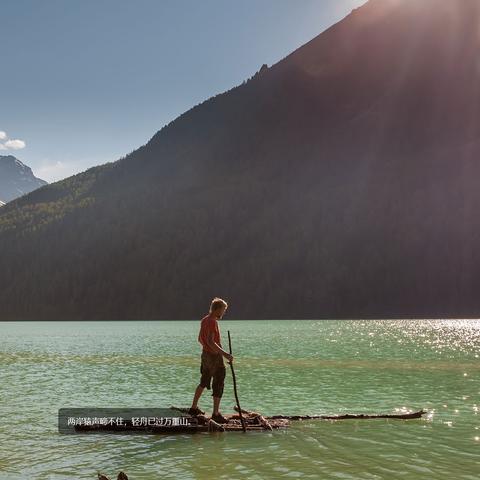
(339, 183)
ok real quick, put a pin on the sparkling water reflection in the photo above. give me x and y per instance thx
(290, 367)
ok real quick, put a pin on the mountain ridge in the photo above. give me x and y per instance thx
(16, 178)
(338, 183)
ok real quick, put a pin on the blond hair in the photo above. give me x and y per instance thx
(217, 303)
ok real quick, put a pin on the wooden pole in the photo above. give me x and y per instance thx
(235, 385)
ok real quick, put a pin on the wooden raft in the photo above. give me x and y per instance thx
(254, 421)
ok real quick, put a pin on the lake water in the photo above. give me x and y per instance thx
(282, 367)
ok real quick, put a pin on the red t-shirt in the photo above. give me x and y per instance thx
(209, 324)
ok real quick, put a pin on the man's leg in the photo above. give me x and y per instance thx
(217, 387)
(196, 397)
(204, 381)
(216, 405)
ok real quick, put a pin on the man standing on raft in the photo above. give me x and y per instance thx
(212, 365)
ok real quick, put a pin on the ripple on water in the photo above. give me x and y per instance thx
(296, 367)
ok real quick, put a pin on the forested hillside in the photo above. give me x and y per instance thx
(340, 182)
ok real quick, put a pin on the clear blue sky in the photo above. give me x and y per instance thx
(84, 82)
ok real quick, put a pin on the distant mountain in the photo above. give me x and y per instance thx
(16, 179)
(341, 182)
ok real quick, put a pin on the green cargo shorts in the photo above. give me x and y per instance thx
(212, 366)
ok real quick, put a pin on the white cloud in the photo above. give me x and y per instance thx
(10, 144)
(15, 144)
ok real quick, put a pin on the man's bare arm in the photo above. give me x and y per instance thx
(215, 346)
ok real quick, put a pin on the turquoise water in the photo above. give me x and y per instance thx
(287, 367)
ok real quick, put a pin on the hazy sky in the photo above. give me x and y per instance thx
(84, 82)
